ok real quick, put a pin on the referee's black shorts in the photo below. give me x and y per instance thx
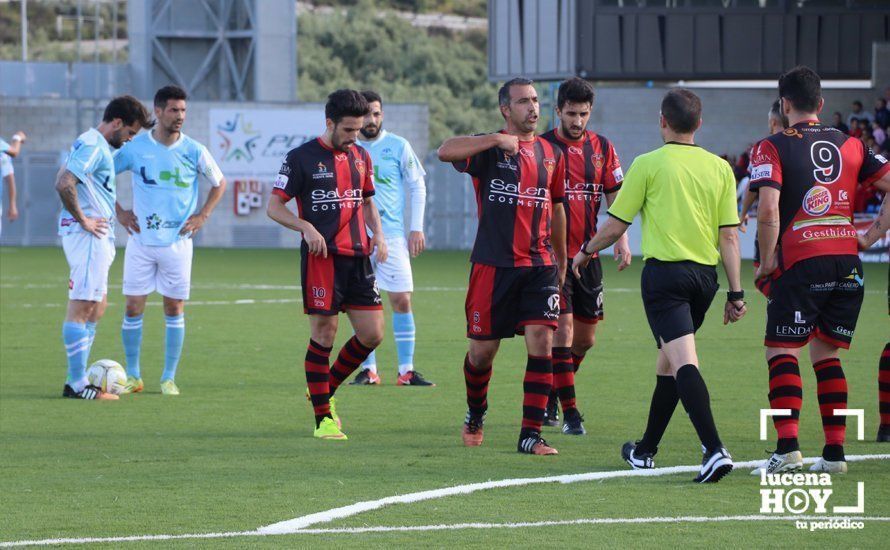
(676, 296)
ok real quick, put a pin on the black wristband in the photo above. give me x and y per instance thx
(584, 248)
(735, 296)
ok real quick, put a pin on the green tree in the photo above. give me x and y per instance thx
(371, 48)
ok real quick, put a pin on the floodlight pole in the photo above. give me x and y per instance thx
(25, 31)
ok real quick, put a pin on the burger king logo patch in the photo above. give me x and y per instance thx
(817, 201)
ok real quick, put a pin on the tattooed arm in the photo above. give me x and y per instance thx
(768, 230)
(66, 186)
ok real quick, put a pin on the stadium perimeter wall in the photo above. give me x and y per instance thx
(733, 119)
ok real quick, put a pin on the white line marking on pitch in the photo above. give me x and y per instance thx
(360, 507)
(300, 525)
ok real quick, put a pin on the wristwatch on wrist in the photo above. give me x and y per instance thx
(735, 295)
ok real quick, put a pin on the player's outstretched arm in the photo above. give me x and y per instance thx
(372, 220)
(66, 186)
(278, 211)
(622, 246)
(611, 231)
(767, 230)
(729, 252)
(881, 224)
(463, 147)
(199, 218)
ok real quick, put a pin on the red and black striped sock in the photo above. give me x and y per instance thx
(477, 386)
(564, 378)
(785, 392)
(884, 387)
(317, 373)
(831, 388)
(536, 387)
(576, 361)
(350, 357)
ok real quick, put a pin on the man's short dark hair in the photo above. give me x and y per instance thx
(167, 93)
(857, 103)
(682, 110)
(504, 92)
(883, 102)
(129, 110)
(344, 103)
(574, 90)
(371, 96)
(802, 87)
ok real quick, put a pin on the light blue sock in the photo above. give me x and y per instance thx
(131, 335)
(175, 337)
(77, 342)
(91, 329)
(403, 330)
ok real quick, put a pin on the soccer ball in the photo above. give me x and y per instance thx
(107, 375)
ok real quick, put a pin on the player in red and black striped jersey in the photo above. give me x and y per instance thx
(516, 269)
(776, 123)
(807, 178)
(593, 170)
(330, 178)
(880, 229)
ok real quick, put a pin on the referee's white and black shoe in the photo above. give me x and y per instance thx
(637, 460)
(714, 466)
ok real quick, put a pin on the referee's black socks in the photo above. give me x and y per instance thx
(697, 402)
(664, 401)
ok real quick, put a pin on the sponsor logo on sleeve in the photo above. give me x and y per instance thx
(762, 172)
(881, 158)
(280, 181)
(618, 175)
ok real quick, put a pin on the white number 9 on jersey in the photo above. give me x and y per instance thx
(827, 160)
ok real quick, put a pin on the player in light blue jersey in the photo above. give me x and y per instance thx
(87, 189)
(7, 173)
(165, 164)
(397, 175)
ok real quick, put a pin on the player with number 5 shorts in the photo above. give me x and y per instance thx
(165, 164)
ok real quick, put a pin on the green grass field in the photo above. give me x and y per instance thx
(235, 451)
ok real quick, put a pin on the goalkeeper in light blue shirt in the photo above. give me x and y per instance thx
(398, 175)
(165, 165)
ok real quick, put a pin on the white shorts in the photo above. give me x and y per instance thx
(165, 269)
(394, 275)
(89, 259)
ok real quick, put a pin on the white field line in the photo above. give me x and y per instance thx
(361, 507)
(444, 527)
(300, 525)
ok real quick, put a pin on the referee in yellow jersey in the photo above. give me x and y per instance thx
(686, 198)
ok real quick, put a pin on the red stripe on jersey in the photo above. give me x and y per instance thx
(527, 193)
(343, 179)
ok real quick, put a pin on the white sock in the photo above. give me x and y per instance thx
(404, 369)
